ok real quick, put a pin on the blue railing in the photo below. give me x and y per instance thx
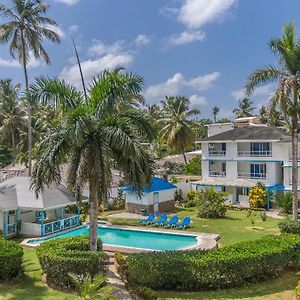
(11, 229)
(60, 225)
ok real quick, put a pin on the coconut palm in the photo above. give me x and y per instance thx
(177, 131)
(93, 136)
(12, 116)
(215, 112)
(286, 97)
(25, 29)
(245, 108)
(263, 115)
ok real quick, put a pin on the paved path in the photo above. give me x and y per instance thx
(274, 214)
(126, 215)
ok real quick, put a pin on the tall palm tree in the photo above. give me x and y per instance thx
(263, 115)
(93, 136)
(286, 98)
(177, 131)
(25, 30)
(215, 112)
(245, 108)
(12, 116)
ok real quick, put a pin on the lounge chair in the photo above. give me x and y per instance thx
(172, 222)
(185, 223)
(162, 220)
(149, 219)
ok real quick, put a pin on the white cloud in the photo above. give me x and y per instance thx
(196, 13)
(99, 48)
(265, 91)
(14, 63)
(174, 86)
(73, 28)
(142, 39)
(56, 29)
(168, 11)
(198, 100)
(69, 2)
(186, 37)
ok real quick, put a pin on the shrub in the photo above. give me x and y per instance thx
(144, 293)
(285, 202)
(297, 290)
(191, 194)
(289, 226)
(6, 156)
(11, 260)
(71, 255)
(229, 266)
(258, 196)
(193, 167)
(243, 208)
(191, 203)
(178, 196)
(263, 216)
(211, 203)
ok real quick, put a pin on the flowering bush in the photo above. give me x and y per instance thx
(258, 196)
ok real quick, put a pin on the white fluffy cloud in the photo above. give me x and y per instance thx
(99, 48)
(198, 100)
(265, 91)
(196, 13)
(69, 2)
(175, 85)
(14, 63)
(142, 39)
(56, 29)
(186, 37)
(73, 28)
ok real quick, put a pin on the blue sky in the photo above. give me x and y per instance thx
(202, 49)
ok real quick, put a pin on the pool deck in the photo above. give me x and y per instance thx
(205, 241)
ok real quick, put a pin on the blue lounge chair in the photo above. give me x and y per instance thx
(150, 218)
(172, 222)
(185, 223)
(162, 220)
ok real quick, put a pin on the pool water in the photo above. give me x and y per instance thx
(132, 238)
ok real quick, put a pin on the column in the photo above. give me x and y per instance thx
(4, 224)
(78, 214)
(42, 222)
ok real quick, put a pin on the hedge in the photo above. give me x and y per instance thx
(219, 268)
(289, 226)
(243, 208)
(11, 260)
(71, 255)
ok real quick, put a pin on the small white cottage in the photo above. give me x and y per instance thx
(158, 197)
(21, 210)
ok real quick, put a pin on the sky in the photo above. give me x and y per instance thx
(201, 49)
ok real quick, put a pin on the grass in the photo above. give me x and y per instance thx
(235, 227)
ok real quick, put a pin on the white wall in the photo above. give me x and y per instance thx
(214, 129)
(1, 219)
(31, 229)
(185, 187)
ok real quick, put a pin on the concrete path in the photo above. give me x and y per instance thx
(126, 215)
(274, 214)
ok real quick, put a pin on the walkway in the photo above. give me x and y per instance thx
(126, 215)
(274, 214)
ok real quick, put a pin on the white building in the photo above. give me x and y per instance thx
(236, 158)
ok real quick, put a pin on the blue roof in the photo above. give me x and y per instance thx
(157, 184)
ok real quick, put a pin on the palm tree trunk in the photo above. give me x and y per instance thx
(184, 157)
(295, 171)
(93, 213)
(13, 141)
(28, 105)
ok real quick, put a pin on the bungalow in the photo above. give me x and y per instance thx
(21, 211)
(157, 197)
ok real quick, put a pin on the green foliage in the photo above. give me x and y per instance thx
(193, 167)
(289, 226)
(5, 156)
(191, 194)
(118, 202)
(258, 196)
(174, 179)
(229, 266)
(11, 260)
(178, 196)
(285, 202)
(211, 203)
(144, 293)
(92, 288)
(172, 168)
(263, 216)
(297, 290)
(71, 255)
(243, 208)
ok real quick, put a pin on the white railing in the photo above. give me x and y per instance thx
(255, 153)
(217, 174)
(252, 175)
(217, 153)
(60, 225)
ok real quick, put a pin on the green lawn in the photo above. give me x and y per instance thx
(233, 228)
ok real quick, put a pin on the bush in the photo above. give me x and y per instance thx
(63, 256)
(11, 260)
(229, 266)
(173, 168)
(6, 156)
(289, 226)
(178, 196)
(258, 196)
(211, 203)
(243, 208)
(285, 202)
(144, 293)
(297, 290)
(193, 167)
(191, 194)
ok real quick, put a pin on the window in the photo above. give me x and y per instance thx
(258, 170)
(260, 149)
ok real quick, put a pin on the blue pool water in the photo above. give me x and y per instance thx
(132, 238)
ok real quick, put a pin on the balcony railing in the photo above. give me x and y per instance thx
(255, 153)
(217, 174)
(216, 153)
(11, 229)
(60, 225)
(252, 175)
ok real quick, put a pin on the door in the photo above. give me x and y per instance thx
(156, 202)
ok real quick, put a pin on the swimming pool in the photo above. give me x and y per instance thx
(132, 238)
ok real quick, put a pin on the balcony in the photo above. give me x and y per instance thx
(216, 153)
(255, 153)
(255, 149)
(216, 149)
(243, 175)
(217, 174)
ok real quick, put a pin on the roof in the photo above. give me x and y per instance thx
(157, 184)
(238, 182)
(250, 133)
(16, 193)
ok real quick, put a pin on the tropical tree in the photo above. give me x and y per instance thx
(177, 129)
(263, 115)
(245, 108)
(25, 29)
(215, 112)
(93, 136)
(286, 97)
(12, 116)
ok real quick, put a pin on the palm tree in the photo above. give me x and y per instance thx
(286, 97)
(25, 30)
(215, 111)
(263, 115)
(12, 117)
(177, 131)
(245, 108)
(93, 136)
